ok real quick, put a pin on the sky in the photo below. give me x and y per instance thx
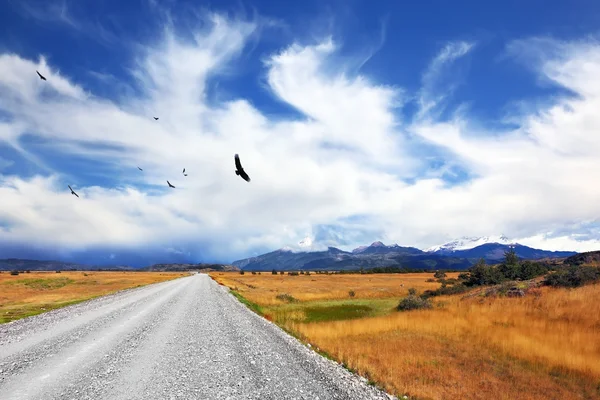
(358, 121)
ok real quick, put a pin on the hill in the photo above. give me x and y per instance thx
(587, 258)
(10, 264)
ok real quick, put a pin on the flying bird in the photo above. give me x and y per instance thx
(155, 118)
(72, 191)
(170, 185)
(41, 76)
(239, 170)
(140, 169)
(183, 172)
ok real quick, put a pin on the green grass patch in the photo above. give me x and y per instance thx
(42, 284)
(19, 312)
(253, 306)
(336, 312)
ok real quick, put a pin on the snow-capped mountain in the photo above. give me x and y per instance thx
(467, 243)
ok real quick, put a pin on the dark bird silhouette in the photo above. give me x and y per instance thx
(239, 170)
(72, 191)
(170, 185)
(41, 76)
(140, 169)
(156, 118)
(183, 172)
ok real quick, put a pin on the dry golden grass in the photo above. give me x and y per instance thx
(545, 346)
(32, 293)
(262, 289)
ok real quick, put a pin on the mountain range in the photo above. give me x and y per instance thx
(10, 264)
(458, 254)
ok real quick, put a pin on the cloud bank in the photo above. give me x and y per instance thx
(350, 169)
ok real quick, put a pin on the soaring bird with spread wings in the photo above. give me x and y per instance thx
(41, 76)
(239, 170)
(72, 191)
(170, 185)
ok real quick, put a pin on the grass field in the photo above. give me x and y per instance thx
(33, 293)
(542, 346)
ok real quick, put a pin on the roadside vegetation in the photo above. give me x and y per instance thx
(23, 294)
(518, 329)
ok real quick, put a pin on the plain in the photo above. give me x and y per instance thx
(469, 346)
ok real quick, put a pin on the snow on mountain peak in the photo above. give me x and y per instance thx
(466, 243)
(377, 244)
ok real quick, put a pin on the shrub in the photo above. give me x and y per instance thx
(430, 280)
(445, 290)
(242, 272)
(482, 274)
(530, 270)
(412, 302)
(307, 273)
(439, 275)
(253, 272)
(281, 272)
(14, 272)
(286, 297)
(58, 271)
(274, 272)
(28, 272)
(293, 273)
(412, 292)
(573, 276)
(351, 293)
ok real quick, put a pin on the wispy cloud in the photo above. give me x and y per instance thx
(62, 13)
(347, 155)
(436, 85)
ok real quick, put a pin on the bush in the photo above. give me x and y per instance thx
(274, 272)
(445, 290)
(573, 276)
(58, 271)
(439, 275)
(412, 302)
(307, 273)
(286, 297)
(351, 293)
(482, 274)
(253, 272)
(430, 280)
(28, 272)
(281, 272)
(15, 272)
(530, 270)
(293, 273)
(412, 292)
(242, 272)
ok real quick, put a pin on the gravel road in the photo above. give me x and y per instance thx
(182, 339)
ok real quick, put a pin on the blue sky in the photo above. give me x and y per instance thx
(406, 122)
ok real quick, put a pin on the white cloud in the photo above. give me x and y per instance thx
(431, 94)
(349, 156)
